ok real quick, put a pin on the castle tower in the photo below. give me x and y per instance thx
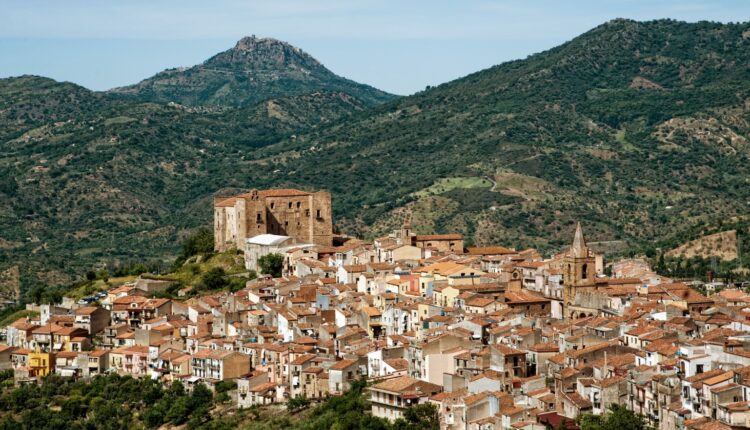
(579, 269)
(305, 216)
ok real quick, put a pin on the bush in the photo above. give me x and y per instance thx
(271, 264)
(214, 279)
(297, 402)
(202, 242)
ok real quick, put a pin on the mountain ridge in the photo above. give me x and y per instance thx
(555, 115)
(253, 70)
(90, 179)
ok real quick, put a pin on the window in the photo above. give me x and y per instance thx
(584, 270)
(290, 205)
(307, 212)
(298, 205)
(257, 217)
(272, 205)
(317, 213)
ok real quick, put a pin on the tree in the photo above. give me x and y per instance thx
(271, 264)
(179, 411)
(297, 402)
(214, 279)
(202, 242)
(200, 396)
(424, 416)
(35, 294)
(617, 418)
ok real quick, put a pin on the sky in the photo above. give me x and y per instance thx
(398, 46)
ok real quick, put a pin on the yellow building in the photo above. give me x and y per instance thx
(41, 363)
(454, 273)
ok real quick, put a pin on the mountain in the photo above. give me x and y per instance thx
(253, 71)
(638, 129)
(88, 179)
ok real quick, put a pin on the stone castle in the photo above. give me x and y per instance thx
(305, 216)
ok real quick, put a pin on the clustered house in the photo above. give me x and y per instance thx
(493, 337)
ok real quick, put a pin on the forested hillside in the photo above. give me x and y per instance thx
(638, 129)
(87, 179)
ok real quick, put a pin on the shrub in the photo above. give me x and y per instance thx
(271, 264)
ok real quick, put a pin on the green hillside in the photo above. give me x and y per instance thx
(87, 180)
(639, 130)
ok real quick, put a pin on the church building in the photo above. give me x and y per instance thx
(579, 275)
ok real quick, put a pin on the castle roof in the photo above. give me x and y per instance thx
(277, 192)
(282, 192)
(267, 239)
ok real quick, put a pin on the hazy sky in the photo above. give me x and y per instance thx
(398, 46)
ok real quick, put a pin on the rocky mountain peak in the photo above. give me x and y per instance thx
(255, 52)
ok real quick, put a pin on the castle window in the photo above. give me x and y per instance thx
(272, 205)
(585, 273)
(299, 204)
(317, 213)
(307, 212)
(290, 205)
(257, 217)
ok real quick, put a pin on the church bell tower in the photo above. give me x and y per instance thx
(579, 269)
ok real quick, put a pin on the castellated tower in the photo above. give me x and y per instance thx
(307, 217)
(579, 270)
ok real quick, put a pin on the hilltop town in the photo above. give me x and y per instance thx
(493, 337)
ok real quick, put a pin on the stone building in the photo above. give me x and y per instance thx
(440, 242)
(285, 212)
(579, 274)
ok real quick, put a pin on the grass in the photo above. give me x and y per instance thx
(23, 313)
(516, 184)
(190, 272)
(98, 285)
(623, 141)
(447, 184)
(118, 120)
